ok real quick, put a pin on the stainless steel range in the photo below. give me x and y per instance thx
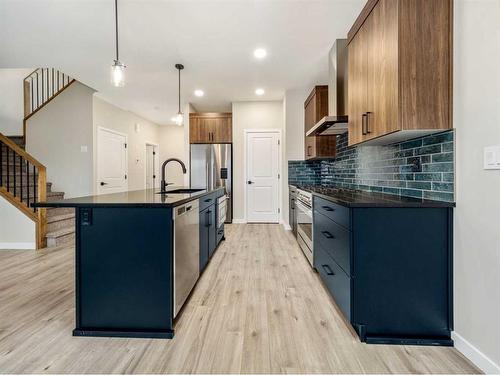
(303, 206)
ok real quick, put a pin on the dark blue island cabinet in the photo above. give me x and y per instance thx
(389, 269)
(124, 277)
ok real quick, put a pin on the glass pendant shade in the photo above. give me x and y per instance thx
(179, 119)
(118, 74)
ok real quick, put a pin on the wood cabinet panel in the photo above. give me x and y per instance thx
(357, 93)
(400, 70)
(210, 128)
(381, 30)
(315, 108)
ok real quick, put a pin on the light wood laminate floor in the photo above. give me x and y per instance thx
(258, 308)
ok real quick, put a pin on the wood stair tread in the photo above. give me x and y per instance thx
(61, 232)
(62, 217)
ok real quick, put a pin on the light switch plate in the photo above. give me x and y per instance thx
(492, 157)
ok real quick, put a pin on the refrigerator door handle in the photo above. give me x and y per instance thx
(206, 176)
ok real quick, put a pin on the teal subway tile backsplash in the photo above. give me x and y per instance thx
(422, 168)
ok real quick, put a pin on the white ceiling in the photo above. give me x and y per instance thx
(213, 39)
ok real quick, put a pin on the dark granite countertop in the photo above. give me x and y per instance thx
(135, 198)
(358, 198)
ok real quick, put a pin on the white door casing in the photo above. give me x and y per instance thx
(111, 161)
(152, 166)
(262, 176)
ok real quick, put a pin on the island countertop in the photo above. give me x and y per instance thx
(134, 198)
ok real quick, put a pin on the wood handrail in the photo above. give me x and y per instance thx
(18, 150)
(29, 75)
(39, 192)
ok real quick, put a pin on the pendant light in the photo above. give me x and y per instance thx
(118, 68)
(179, 118)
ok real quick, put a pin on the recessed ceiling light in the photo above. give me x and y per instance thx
(260, 53)
(199, 92)
(259, 92)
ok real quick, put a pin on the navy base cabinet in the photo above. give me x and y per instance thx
(388, 269)
(124, 280)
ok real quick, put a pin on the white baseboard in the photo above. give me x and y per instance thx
(286, 226)
(17, 246)
(239, 221)
(475, 355)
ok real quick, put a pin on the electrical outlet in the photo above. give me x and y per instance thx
(492, 157)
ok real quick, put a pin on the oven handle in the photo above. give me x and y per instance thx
(303, 207)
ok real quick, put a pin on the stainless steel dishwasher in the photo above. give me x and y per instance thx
(186, 251)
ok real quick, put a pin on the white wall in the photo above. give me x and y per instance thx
(294, 136)
(12, 100)
(55, 136)
(108, 116)
(250, 115)
(17, 231)
(477, 234)
(173, 146)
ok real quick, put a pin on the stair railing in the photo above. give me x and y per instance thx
(40, 87)
(23, 181)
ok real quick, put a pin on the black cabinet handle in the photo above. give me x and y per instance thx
(327, 234)
(328, 270)
(208, 200)
(103, 183)
(328, 208)
(207, 219)
(249, 182)
(364, 124)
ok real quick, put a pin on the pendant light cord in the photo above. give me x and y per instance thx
(116, 28)
(179, 91)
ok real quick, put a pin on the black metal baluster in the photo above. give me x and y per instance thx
(14, 166)
(21, 177)
(48, 80)
(1, 164)
(43, 88)
(34, 187)
(32, 95)
(37, 89)
(52, 87)
(8, 169)
(28, 179)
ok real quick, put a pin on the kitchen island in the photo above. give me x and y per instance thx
(137, 258)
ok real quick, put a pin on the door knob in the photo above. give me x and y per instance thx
(249, 182)
(103, 183)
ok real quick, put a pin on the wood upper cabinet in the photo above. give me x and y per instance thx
(400, 72)
(210, 128)
(315, 108)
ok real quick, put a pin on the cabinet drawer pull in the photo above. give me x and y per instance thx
(328, 208)
(327, 234)
(364, 124)
(308, 150)
(208, 200)
(368, 130)
(328, 270)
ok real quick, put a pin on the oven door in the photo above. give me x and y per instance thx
(304, 229)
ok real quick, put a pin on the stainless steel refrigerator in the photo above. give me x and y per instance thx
(212, 166)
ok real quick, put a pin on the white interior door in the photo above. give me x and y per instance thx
(111, 161)
(262, 182)
(152, 179)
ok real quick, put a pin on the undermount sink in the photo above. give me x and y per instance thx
(180, 191)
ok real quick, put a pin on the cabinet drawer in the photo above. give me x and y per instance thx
(336, 280)
(333, 239)
(207, 200)
(336, 212)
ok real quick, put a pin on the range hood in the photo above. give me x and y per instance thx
(336, 121)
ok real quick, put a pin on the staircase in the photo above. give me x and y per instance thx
(20, 177)
(23, 178)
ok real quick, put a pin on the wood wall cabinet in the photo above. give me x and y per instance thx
(210, 128)
(315, 108)
(400, 70)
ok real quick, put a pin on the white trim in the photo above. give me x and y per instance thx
(17, 246)
(239, 221)
(280, 185)
(286, 226)
(475, 355)
(157, 169)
